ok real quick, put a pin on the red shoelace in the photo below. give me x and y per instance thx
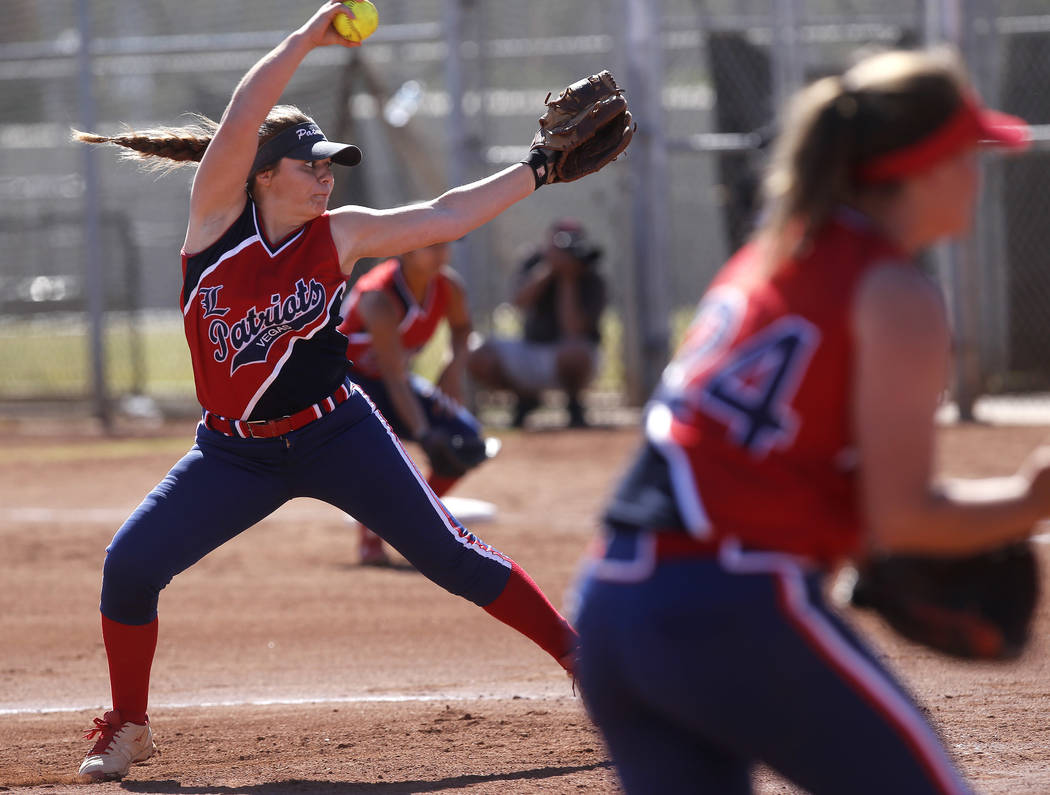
(105, 728)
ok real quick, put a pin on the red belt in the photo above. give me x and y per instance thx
(268, 429)
(670, 544)
(676, 545)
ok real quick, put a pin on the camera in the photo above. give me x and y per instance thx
(578, 247)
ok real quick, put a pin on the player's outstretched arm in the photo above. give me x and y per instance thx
(586, 127)
(217, 195)
(364, 232)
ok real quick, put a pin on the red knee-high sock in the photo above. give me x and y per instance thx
(440, 484)
(523, 606)
(130, 650)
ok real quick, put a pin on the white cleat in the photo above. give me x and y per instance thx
(119, 745)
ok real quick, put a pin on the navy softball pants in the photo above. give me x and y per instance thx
(696, 669)
(222, 486)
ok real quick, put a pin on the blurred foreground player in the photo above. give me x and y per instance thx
(795, 429)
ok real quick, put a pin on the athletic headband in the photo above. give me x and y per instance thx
(304, 141)
(970, 125)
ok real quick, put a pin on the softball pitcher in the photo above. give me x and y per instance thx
(794, 429)
(264, 265)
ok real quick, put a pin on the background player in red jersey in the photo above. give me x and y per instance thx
(794, 429)
(389, 315)
(264, 267)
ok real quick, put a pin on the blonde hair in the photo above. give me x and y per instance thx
(883, 103)
(167, 148)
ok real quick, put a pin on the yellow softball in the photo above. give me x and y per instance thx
(364, 23)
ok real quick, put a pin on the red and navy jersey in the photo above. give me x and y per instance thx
(418, 321)
(753, 416)
(261, 318)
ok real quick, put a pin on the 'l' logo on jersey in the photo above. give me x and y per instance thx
(209, 297)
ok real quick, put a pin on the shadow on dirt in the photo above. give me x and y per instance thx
(307, 787)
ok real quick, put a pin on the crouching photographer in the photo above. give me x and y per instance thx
(562, 294)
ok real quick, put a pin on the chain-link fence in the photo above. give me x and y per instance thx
(1011, 46)
(724, 66)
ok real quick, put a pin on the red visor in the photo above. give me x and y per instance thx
(971, 125)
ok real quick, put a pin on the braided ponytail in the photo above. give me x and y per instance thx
(165, 149)
(161, 148)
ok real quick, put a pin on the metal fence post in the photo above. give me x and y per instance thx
(464, 250)
(787, 70)
(646, 346)
(956, 260)
(94, 278)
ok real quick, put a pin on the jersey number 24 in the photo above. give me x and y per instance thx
(751, 390)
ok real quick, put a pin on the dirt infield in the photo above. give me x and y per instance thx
(283, 667)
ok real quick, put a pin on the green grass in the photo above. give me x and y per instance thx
(37, 450)
(50, 358)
